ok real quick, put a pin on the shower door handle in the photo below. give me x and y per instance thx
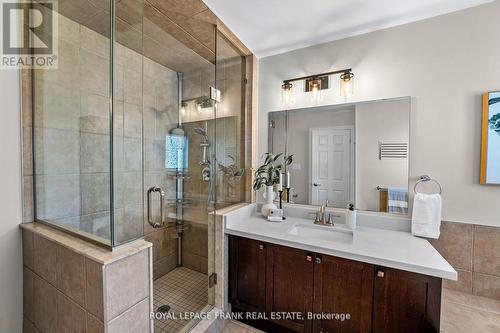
(155, 189)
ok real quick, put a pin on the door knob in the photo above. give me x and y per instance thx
(380, 274)
(318, 260)
(316, 184)
(309, 258)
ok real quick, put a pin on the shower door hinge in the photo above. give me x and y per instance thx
(212, 280)
(215, 94)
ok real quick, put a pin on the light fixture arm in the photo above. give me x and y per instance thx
(348, 70)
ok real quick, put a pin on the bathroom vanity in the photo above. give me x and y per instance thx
(385, 280)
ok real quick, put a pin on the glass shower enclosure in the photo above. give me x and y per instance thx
(139, 132)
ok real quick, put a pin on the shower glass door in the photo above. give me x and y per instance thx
(164, 147)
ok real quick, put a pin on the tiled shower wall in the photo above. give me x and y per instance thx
(474, 251)
(72, 137)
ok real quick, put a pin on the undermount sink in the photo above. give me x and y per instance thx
(332, 234)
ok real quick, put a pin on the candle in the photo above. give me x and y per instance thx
(288, 183)
(280, 185)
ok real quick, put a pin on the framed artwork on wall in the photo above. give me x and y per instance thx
(490, 142)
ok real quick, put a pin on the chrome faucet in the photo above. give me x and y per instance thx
(323, 218)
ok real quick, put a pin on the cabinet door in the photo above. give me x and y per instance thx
(289, 287)
(405, 302)
(342, 286)
(247, 288)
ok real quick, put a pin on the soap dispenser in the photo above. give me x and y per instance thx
(351, 217)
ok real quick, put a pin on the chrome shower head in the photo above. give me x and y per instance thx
(200, 131)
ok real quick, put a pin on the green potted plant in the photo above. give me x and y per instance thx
(268, 175)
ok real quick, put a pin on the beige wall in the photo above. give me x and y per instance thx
(381, 121)
(445, 63)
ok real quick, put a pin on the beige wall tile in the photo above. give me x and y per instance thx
(28, 326)
(463, 284)
(195, 240)
(29, 294)
(487, 250)
(45, 258)
(57, 196)
(71, 318)
(132, 124)
(132, 91)
(67, 73)
(28, 254)
(94, 73)
(95, 193)
(195, 262)
(94, 325)
(94, 288)
(135, 319)
(70, 274)
(130, 274)
(27, 111)
(27, 151)
(94, 153)
(486, 285)
(130, 225)
(57, 151)
(460, 318)
(28, 208)
(133, 154)
(455, 244)
(94, 42)
(164, 265)
(45, 306)
(94, 114)
(56, 105)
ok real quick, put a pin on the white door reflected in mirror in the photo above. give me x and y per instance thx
(331, 165)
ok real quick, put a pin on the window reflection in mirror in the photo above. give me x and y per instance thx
(350, 153)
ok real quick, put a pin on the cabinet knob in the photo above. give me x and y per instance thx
(380, 274)
(261, 247)
(309, 258)
(318, 260)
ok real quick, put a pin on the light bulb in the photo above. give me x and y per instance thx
(198, 107)
(286, 94)
(347, 84)
(183, 109)
(315, 90)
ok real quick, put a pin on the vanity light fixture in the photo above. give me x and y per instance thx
(183, 108)
(315, 85)
(198, 105)
(347, 84)
(286, 93)
(317, 82)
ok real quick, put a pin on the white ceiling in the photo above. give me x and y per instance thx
(270, 27)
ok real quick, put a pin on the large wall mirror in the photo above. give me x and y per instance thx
(351, 153)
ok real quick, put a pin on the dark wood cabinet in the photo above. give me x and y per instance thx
(405, 302)
(342, 287)
(278, 280)
(247, 290)
(289, 287)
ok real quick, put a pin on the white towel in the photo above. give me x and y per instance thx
(426, 218)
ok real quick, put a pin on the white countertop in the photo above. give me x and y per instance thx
(395, 249)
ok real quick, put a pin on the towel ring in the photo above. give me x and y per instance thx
(426, 178)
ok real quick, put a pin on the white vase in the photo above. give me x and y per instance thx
(269, 204)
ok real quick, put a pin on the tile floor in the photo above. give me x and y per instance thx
(465, 313)
(184, 290)
(460, 313)
(237, 327)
